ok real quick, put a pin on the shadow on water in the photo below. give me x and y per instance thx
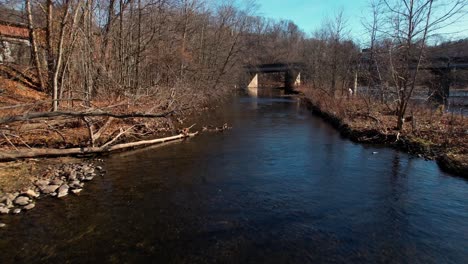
(280, 187)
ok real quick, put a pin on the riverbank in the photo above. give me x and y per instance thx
(23, 183)
(442, 137)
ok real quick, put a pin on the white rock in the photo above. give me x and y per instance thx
(72, 175)
(88, 178)
(17, 211)
(76, 191)
(2, 225)
(30, 193)
(50, 189)
(22, 200)
(4, 210)
(63, 191)
(29, 206)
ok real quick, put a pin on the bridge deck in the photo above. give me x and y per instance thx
(271, 68)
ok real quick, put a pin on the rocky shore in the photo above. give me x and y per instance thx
(449, 163)
(57, 181)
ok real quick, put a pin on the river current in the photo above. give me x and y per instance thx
(281, 186)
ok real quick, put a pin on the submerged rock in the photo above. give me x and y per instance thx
(76, 191)
(2, 225)
(17, 211)
(88, 178)
(29, 206)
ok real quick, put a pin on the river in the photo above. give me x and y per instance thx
(282, 186)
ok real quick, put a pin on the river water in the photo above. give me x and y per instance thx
(280, 187)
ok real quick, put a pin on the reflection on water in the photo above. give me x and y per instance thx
(280, 187)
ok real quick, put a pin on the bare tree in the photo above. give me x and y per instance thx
(410, 23)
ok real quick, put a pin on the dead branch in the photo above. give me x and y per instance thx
(89, 125)
(37, 115)
(122, 132)
(56, 131)
(34, 153)
(101, 130)
(8, 140)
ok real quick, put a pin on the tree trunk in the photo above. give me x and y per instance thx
(34, 49)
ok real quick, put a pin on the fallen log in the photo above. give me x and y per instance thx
(37, 115)
(35, 152)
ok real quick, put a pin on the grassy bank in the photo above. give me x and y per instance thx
(429, 133)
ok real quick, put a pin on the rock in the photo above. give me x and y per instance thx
(56, 182)
(76, 185)
(29, 206)
(375, 152)
(50, 189)
(63, 191)
(4, 210)
(88, 178)
(30, 193)
(76, 191)
(42, 183)
(12, 196)
(9, 203)
(53, 194)
(17, 211)
(87, 170)
(2, 225)
(99, 168)
(72, 175)
(22, 200)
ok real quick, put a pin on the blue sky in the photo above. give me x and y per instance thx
(309, 14)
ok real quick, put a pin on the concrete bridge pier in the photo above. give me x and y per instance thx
(253, 81)
(441, 87)
(292, 79)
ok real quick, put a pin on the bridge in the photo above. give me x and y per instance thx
(292, 72)
(440, 66)
(447, 63)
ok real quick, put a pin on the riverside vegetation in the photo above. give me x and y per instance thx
(432, 134)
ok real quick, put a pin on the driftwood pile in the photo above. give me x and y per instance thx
(86, 117)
